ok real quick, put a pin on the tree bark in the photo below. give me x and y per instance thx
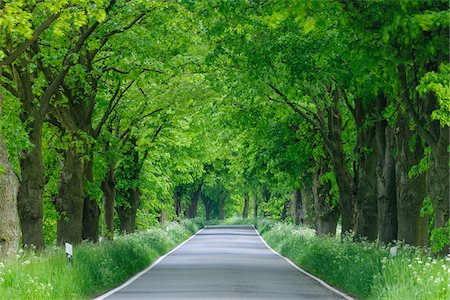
(195, 197)
(9, 186)
(31, 189)
(386, 182)
(91, 211)
(207, 203)
(69, 203)
(177, 201)
(246, 206)
(296, 204)
(326, 215)
(412, 228)
(222, 208)
(109, 198)
(334, 147)
(307, 212)
(365, 173)
(438, 182)
(127, 215)
(255, 205)
(29, 199)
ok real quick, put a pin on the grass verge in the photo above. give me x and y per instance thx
(362, 269)
(96, 268)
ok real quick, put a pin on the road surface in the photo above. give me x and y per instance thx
(223, 262)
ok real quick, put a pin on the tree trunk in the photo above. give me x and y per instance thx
(326, 215)
(365, 173)
(266, 197)
(438, 182)
(366, 196)
(9, 186)
(91, 211)
(334, 147)
(109, 198)
(192, 210)
(29, 199)
(386, 183)
(307, 214)
(177, 201)
(222, 208)
(69, 203)
(412, 228)
(246, 206)
(255, 205)
(127, 215)
(207, 203)
(296, 204)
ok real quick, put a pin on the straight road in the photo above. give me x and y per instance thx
(223, 262)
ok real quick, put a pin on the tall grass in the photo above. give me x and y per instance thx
(362, 269)
(95, 268)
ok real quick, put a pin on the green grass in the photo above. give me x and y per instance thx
(362, 269)
(96, 268)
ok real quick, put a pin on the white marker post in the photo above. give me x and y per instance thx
(69, 253)
(393, 251)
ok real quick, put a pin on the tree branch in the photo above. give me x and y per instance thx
(22, 48)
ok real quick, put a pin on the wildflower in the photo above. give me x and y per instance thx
(410, 266)
(27, 262)
(2, 265)
(2, 280)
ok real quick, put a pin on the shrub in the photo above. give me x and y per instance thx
(363, 269)
(96, 267)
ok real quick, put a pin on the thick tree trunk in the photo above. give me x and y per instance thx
(109, 198)
(366, 197)
(222, 208)
(29, 199)
(9, 220)
(177, 201)
(438, 182)
(69, 203)
(365, 173)
(326, 215)
(195, 197)
(246, 206)
(255, 206)
(386, 182)
(207, 203)
(91, 211)
(127, 215)
(412, 228)
(334, 147)
(266, 197)
(296, 204)
(307, 212)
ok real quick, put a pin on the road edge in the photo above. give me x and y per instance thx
(156, 262)
(333, 289)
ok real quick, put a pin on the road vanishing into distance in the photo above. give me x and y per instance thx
(223, 262)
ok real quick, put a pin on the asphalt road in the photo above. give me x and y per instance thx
(224, 262)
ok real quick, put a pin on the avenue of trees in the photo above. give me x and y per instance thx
(119, 114)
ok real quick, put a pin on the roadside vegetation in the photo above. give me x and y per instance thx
(364, 269)
(95, 269)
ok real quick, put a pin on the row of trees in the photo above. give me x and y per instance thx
(117, 114)
(350, 101)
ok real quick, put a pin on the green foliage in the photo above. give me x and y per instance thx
(95, 268)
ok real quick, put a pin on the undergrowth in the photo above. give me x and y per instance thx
(96, 267)
(365, 270)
